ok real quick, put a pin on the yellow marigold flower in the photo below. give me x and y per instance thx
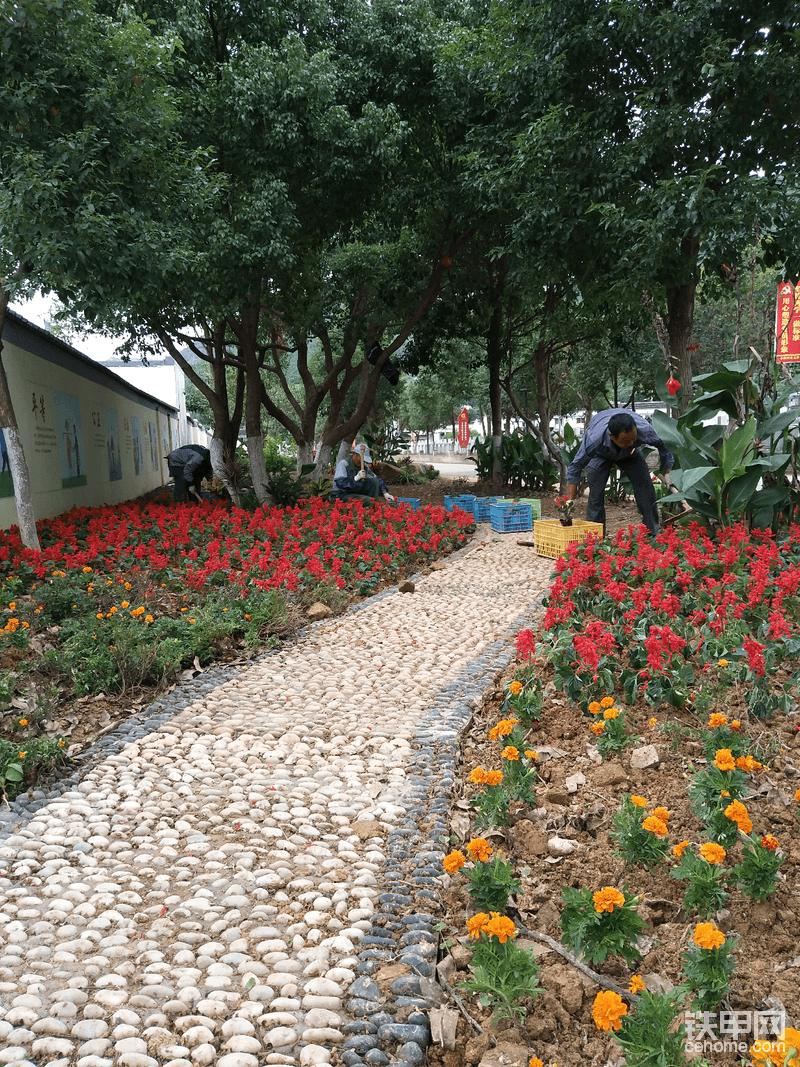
(652, 721)
(661, 813)
(478, 776)
(712, 852)
(149, 618)
(680, 848)
(453, 862)
(717, 719)
(479, 849)
(722, 663)
(737, 812)
(494, 777)
(608, 1009)
(22, 755)
(597, 728)
(476, 924)
(735, 724)
(535, 1062)
(87, 570)
(501, 927)
(724, 793)
(126, 603)
(12, 605)
(23, 722)
(530, 754)
(509, 752)
(606, 702)
(595, 708)
(724, 760)
(655, 826)
(636, 985)
(640, 802)
(607, 898)
(706, 935)
(515, 687)
(611, 713)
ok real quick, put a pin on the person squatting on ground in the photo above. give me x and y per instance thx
(354, 477)
(612, 439)
(189, 465)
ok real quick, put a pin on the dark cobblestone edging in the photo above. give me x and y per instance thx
(395, 1028)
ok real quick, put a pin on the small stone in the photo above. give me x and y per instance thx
(281, 1037)
(314, 1054)
(406, 587)
(610, 774)
(644, 758)
(560, 846)
(318, 611)
(237, 1059)
(575, 780)
(322, 1035)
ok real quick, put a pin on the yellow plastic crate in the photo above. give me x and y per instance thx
(553, 539)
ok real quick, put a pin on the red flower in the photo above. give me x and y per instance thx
(673, 385)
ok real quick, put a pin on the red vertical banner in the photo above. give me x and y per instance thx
(787, 323)
(463, 428)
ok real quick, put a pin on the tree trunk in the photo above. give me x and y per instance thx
(323, 460)
(494, 357)
(23, 495)
(680, 318)
(305, 455)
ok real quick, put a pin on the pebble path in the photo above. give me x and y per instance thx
(254, 879)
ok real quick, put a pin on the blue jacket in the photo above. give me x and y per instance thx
(598, 449)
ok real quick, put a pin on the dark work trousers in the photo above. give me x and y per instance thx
(180, 490)
(637, 471)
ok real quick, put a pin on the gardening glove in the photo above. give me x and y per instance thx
(360, 476)
(389, 497)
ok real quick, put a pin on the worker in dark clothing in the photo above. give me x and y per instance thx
(188, 466)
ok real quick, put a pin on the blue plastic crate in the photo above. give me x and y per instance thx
(510, 518)
(480, 508)
(412, 501)
(464, 502)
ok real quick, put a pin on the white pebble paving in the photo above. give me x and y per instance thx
(200, 897)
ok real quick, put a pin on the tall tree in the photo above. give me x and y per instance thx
(87, 123)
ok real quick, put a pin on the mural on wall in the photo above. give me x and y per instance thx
(71, 452)
(6, 484)
(113, 445)
(153, 434)
(137, 445)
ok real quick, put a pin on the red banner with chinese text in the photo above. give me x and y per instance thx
(787, 323)
(463, 428)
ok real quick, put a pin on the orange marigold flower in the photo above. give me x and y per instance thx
(636, 985)
(606, 702)
(530, 754)
(640, 802)
(724, 793)
(22, 755)
(597, 728)
(607, 898)
(747, 763)
(479, 849)
(476, 924)
(61, 743)
(722, 663)
(509, 752)
(717, 719)
(515, 687)
(478, 776)
(535, 1062)
(724, 760)
(87, 570)
(706, 935)
(137, 612)
(735, 724)
(611, 713)
(454, 861)
(126, 603)
(778, 1053)
(494, 777)
(99, 615)
(595, 708)
(652, 721)
(655, 826)
(680, 849)
(797, 796)
(23, 722)
(661, 813)
(149, 618)
(737, 812)
(770, 842)
(712, 852)
(501, 927)
(608, 1009)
